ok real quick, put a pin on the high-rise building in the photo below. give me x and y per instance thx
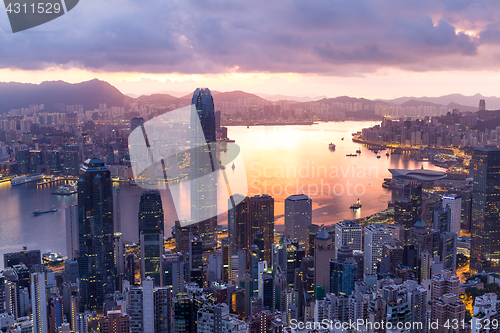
(349, 233)
(485, 242)
(151, 252)
(482, 105)
(142, 307)
(408, 209)
(173, 271)
(95, 234)
(312, 231)
(71, 231)
(136, 122)
(441, 218)
(343, 272)
(39, 303)
(239, 229)
(261, 219)
(324, 250)
(203, 167)
(298, 217)
(29, 258)
(163, 299)
(151, 230)
(115, 322)
(151, 211)
(454, 201)
(485, 311)
(376, 235)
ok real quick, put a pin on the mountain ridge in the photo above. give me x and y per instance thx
(16, 95)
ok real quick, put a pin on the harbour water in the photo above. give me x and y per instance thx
(279, 161)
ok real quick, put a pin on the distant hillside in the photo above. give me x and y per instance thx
(162, 99)
(467, 102)
(15, 95)
(414, 102)
(233, 96)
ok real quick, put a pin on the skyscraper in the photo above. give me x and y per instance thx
(376, 235)
(71, 231)
(454, 201)
(151, 211)
(408, 210)
(343, 272)
(298, 217)
(349, 233)
(485, 242)
(261, 219)
(151, 230)
(38, 303)
(239, 231)
(95, 234)
(203, 165)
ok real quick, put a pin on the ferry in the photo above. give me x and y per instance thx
(331, 146)
(67, 189)
(25, 179)
(351, 155)
(356, 205)
(378, 155)
(36, 213)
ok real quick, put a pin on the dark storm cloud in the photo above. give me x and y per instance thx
(341, 37)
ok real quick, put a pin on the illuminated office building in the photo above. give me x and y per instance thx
(298, 217)
(38, 303)
(485, 242)
(261, 219)
(203, 166)
(95, 234)
(151, 231)
(376, 235)
(454, 202)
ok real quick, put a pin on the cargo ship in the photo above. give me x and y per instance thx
(36, 213)
(25, 179)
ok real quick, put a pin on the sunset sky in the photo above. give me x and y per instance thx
(373, 49)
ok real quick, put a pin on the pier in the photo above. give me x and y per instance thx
(58, 180)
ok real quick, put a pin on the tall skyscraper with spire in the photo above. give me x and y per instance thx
(95, 234)
(151, 231)
(203, 166)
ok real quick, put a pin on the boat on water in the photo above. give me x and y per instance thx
(342, 139)
(331, 146)
(378, 155)
(67, 189)
(25, 179)
(357, 205)
(358, 151)
(36, 213)
(351, 155)
(53, 258)
(387, 154)
(132, 182)
(233, 167)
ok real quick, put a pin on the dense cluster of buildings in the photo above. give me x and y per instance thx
(454, 129)
(394, 276)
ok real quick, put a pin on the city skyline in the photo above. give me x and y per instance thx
(373, 49)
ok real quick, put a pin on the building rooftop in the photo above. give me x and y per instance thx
(418, 174)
